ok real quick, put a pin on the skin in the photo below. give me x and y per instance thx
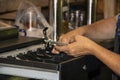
(98, 31)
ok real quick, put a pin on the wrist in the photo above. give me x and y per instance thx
(80, 30)
(94, 49)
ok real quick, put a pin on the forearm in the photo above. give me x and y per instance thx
(100, 30)
(111, 59)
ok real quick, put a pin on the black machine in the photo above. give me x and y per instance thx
(32, 58)
(29, 54)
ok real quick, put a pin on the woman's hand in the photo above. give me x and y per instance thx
(70, 37)
(81, 46)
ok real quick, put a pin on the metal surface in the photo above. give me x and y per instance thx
(90, 2)
(29, 72)
(55, 21)
(26, 71)
(51, 42)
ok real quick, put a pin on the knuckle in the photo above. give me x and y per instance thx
(61, 37)
(71, 50)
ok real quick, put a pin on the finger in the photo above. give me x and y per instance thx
(64, 40)
(55, 51)
(77, 37)
(60, 38)
(62, 49)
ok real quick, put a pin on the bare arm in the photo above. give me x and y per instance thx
(111, 59)
(101, 30)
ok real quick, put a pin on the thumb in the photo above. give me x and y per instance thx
(77, 37)
(64, 40)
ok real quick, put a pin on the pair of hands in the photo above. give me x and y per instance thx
(77, 45)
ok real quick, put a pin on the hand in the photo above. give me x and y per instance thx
(81, 46)
(66, 38)
(70, 37)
